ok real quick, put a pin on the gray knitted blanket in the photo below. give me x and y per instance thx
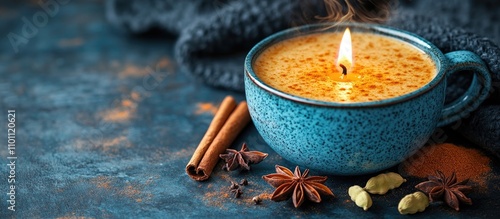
(213, 38)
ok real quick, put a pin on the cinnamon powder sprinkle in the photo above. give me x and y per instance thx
(206, 108)
(467, 163)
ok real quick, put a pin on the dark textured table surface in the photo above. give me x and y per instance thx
(106, 122)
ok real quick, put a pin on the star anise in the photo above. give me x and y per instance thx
(241, 159)
(444, 188)
(297, 184)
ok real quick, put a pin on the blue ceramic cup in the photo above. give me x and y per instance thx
(363, 137)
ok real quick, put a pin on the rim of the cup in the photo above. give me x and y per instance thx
(411, 38)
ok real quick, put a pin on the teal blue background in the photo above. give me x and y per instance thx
(73, 163)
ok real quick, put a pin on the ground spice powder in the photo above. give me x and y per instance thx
(467, 163)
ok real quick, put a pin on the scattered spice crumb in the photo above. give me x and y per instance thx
(225, 176)
(164, 62)
(133, 71)
(266, 196)
(218, 196)
(124, 111)
(116, 115)
(128, 103)
(102, 182)
(135, 96)
(215, 198)
(203, 108)
(111, 144)
(108, 145)
(130, 191)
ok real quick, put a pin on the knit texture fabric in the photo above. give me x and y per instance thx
(213, 38)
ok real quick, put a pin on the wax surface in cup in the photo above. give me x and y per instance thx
(306, 66)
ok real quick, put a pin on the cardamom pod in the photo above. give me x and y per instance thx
(360, 197)
(413, 203)
(382, 183)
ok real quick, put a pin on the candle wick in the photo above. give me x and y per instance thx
(344, 69)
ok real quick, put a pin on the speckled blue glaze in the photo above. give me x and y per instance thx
(359, 138)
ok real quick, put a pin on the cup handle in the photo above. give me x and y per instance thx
(477, 92)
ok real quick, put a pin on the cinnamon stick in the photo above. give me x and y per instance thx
(234, 124)
(225, 109)
(206, 155)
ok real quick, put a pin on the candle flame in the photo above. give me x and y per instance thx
(345, 50)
